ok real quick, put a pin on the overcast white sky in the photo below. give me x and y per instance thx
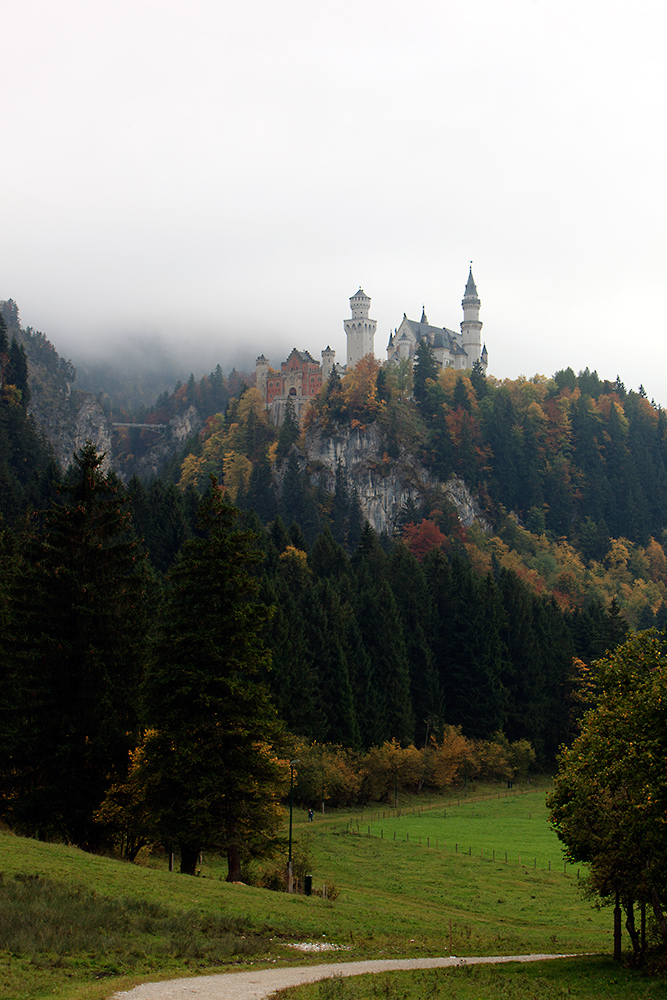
(230, 173)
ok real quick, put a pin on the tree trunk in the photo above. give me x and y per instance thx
(189, 858)
(633, 932)
(659, 916)
(233, 853)
(233, 864)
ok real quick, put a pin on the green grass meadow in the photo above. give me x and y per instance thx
(578, 979)
(81, 927)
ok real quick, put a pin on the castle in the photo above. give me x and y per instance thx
(450, 349)
(301, 377)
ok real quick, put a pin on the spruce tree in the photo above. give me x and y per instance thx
(289, 430)
(426, 368)
(75, 660)
(209, 769)
(478, 380)
(17, 371)
(410, 589)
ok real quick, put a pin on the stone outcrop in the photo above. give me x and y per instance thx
(84, 420)
(465, 503)
(181, 427)
(68, 419)
(383, 485)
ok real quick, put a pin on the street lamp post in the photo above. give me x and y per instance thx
(290, 881)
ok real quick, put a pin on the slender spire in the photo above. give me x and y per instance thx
(471, 289)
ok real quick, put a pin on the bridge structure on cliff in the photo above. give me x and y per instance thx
(145, 427)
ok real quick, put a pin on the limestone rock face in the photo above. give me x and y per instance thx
(68, 419)
(465, 503)
(181, 427)
(383, 485)
(90, 424)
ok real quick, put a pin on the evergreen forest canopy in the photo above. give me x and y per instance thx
(350, 639)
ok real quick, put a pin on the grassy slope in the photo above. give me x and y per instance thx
(396, 898)
(578, 979)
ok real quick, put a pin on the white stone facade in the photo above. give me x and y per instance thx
(450, 349)
(360, 329)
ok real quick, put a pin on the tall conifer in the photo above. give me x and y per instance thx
(75, 661)
(210, 773)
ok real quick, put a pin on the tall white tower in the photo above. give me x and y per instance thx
(360, 329)
(471, 327)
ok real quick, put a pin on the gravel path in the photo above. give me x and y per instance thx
(262, 983)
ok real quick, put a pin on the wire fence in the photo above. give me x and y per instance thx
(368, 826)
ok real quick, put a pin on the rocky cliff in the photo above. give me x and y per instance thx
(66, 418)
(173, 437)
(69, 421)
(384, 486)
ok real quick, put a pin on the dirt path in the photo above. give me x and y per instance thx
(262, 983)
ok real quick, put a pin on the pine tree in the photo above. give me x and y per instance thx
(478, 380)
(4, 344)
(410, 589)
(209, 769)
(461, 395)
(327, 559)
(426, 368)
(75, 661)
(382, 633)
(341, 506)
(289, 430)
(328, 625)
(261, 493)
(294, 678)
(293, 498)
(168, 525)
(17, 371)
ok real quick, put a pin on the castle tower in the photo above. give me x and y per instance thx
(360, 330)
(471, 327)
(328, 361)
(262, 365)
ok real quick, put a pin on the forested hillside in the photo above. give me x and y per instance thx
(569, 473)
(139, 708)
(432, 635)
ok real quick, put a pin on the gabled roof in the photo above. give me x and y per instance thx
(439, 335)
(304, 356)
